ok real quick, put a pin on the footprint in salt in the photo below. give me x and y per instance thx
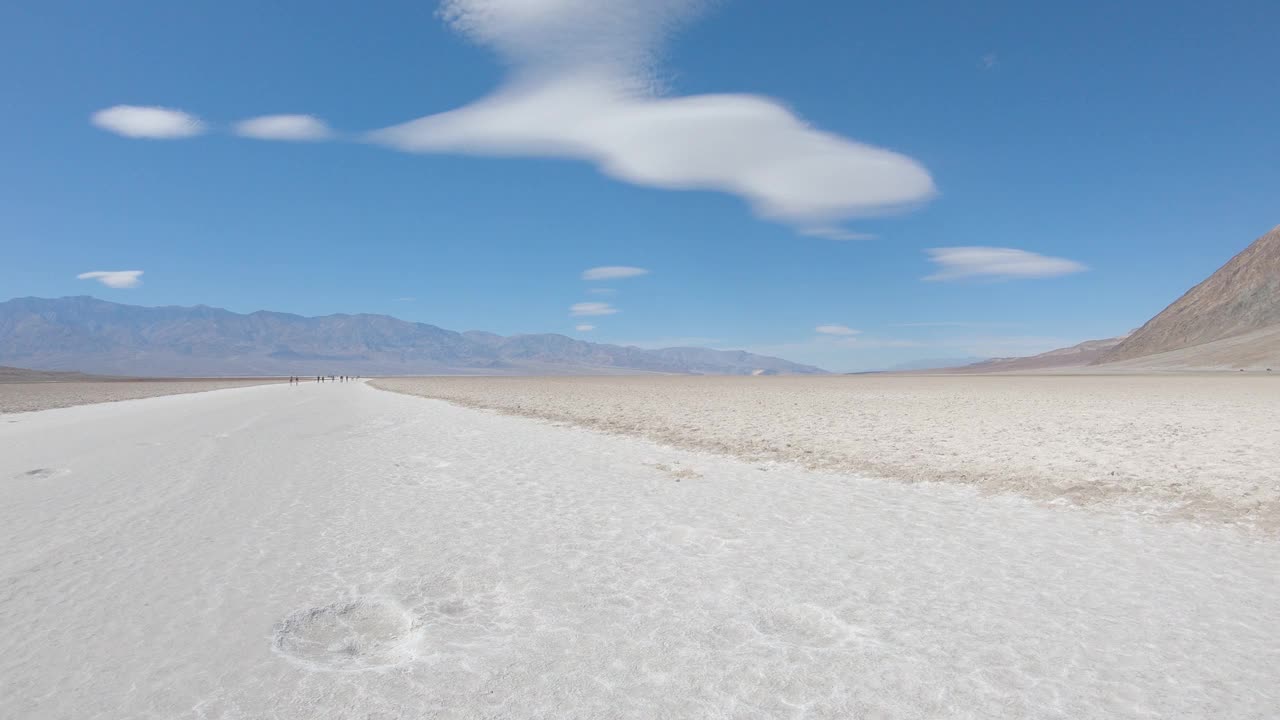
(357, 635)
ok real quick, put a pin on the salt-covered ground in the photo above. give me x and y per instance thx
(333, 551)
(1202, 447)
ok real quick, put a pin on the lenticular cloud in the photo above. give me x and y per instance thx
(581, 86)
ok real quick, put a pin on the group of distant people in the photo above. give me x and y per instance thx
(297, 380)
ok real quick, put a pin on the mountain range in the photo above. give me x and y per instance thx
(91, 335)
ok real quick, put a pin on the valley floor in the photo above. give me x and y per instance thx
(1178, 446)
(18, 397)
(332, 551)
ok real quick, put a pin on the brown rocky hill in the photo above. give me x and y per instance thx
(1241, 298)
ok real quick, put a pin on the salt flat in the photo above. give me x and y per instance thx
(333, 551)
(30, 396)
(1179, 446)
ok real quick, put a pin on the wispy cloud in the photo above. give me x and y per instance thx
(582, 85)
(114, 278)
(833, 352)
(1008, 345)
(828, 232)
(601, 291)
(836, 330)
(155, 123)
(405, 299)
(668, 342)
(613, 272)
(958, 263)
(296, 128)
(954, 324)
(584, 328)
(592, 308)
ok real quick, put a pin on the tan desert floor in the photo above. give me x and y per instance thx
(1202, 447)
(28, 397)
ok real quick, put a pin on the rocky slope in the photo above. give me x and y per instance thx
(1240, 298)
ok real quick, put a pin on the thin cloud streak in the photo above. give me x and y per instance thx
(118, 279)
(587, 309)
(613, 272)
(669, 342)
(950, 324)
(959, 263)
(835, 233)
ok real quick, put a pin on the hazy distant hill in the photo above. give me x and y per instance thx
(1240, 298)
(91, 335)
(1074, 356)
(26, 375)
(936, 363)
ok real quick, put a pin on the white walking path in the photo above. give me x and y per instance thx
(334, 551)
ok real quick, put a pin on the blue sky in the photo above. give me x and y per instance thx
(1028, 175)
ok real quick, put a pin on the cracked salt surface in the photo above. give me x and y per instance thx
(343, 552)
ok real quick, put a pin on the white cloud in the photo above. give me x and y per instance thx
(284, 127)
(613, 272)
(581, 85)
(592, 308)
(584, 328)
(836, 330)
(114, 278)
(601, 291)
(957, 263)
(156, 123)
